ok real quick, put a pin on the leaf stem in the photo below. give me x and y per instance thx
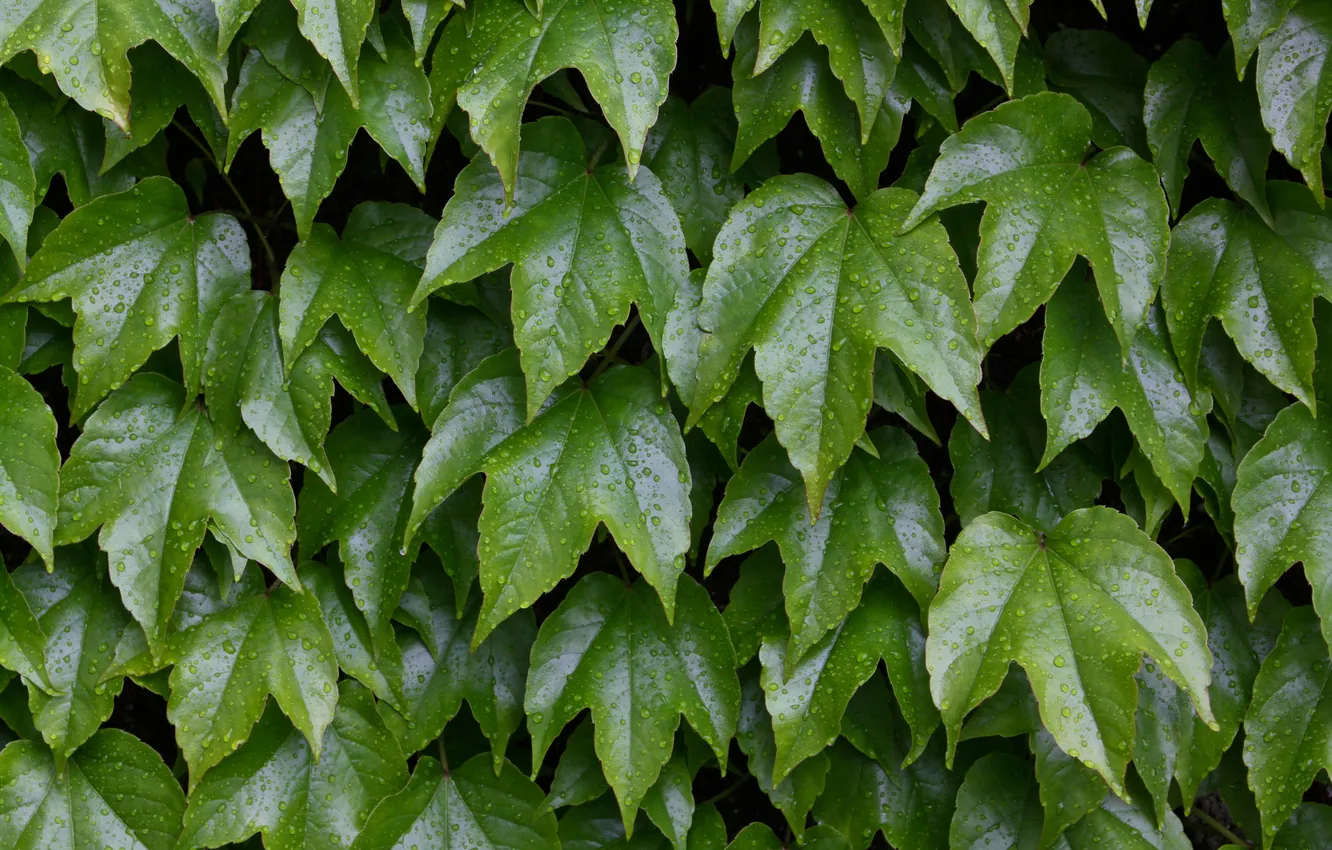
(609, 356)
(1219, 828)
(443, 757)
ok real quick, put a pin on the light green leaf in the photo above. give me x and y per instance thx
(995, 29)
(1295, 88)
(1249, 22)
(375, 664)
(337, 28)
(1190, 96)
(1005, 473)
(1082, 380)
(669, 804)
(1026, 160)
(29, 470)
(18, 184)
(882, 510)
(154, 478)
(469, 806)
(22, 644)
(997, 806)
(227, 666)
(140, 270)
(815, 289)
(1068, 788)
(611, 649)
(1059, 605)
(395, 102)
(274, 785)
(115, 792)
(585, 243)
(608, 453)
(424, 18)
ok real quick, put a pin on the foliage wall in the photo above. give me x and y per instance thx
(606, 424)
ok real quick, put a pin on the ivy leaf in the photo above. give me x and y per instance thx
(1305, 828)
(1069, 790)
(468, 806)
(829, 287)
(755, 610)
(882, 510)
(423, 19)
(244, 381)
(395, 101)
(365, 279)
(899, 391)
(995, 29)
(1288, 723)
(578, 777)
(801, 80)
(307, 139)
(82, 617)
(1082, 380)
(22, 644)
(375, 664)
(140, 270)
(1107, 77)
(154, 479)
(228, 664)
(585, 243)
(18, 184)
(1293, 89)
(1086, 649)
(1005, 473)
(29, 472)
(368, 514)
(273, 785)
(337, 28)
(1251, 21)
(625, 54)
(610, 648)
(115, 791)
(1279, 501)
(85, 45)
(669, 804)
(1026, 160)
(608, 453)
(794, 795)
(440, 669)
(1190, 96)
(457, 339)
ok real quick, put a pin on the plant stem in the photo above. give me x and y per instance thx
(609, 356)
(443, 757)
(725, 792)
(1219, 828)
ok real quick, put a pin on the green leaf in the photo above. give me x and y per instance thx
(1026, 160)
(1225, 262)
(29, 468)
(22, 644)
(610, 648)
(440, 669)
(423, 19)
(273, 785)
(1083, 379)
(1289, 722)
(1310, 825)
(997, 806)
(801, 80)
(1005, 473)
(85, 45)
(899, 391)
(457, 339)
(508, 51)
(154, 478)
(18, 184)
(395, 102)
(1294, 89)
(585, 243)
(365, 279)
(793, 795)
(608, 453)
(375, 664)
(244, 381)
(669, 804)
(1190, 95)
(337, 29)
(140, 270)
(947, 41)
(881, 510)
(1058, 604)
(995, 29)
(578, 777)
(1251, 21)
(1068, 788)
(307, 139)
(829, 287)
(82, 617)
(115, 792)
(1107, 77)
(470, 806)
(228, 665)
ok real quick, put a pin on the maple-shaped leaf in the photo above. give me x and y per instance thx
(1249, 22)
(273, 784)
(226, 667)
(154, 479)
(114, 792)
(441, 669)
(1293, 88)
(457, 339)
(377, 664)
(396, 108)
(610, 648)
(79, 612)
(996, 29)
(1107, 78)
(1077, 607)
(815, 289)
(585, 244)
(794, 795)
(1289, 722)
(1083, 379)
(244, 381)
(624, 51)
(1224, 261)
(1027, 160)
(18, 184)
(29, 464)
(22, 644)
(140, 270)
(876, 510)
(458, 808)
(84, 45)
(423, 20)
(365, 278)
(337, 29)
(869, 793)
(1192, 96)
(610, 453)
(367, 516)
